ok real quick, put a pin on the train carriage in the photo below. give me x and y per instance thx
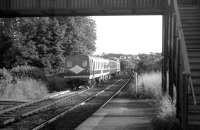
(84, 69)
(114, 67)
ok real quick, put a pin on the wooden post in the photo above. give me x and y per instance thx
(184, 121)
(178, 84)
(136, 82)
(165, 54)
(170, 57)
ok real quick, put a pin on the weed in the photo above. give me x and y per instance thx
(166, 117)
(24, 89)
(148, 86)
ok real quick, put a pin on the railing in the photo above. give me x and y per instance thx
(185, 83)
(193, 93)
(184, 53)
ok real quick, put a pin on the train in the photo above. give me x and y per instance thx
(89, 70)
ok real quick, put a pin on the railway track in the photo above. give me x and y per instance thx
(6, 104)
(26, 109)
(84, 110)
(36, 115)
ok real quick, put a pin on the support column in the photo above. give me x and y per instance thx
(165, 55)
(171, 56)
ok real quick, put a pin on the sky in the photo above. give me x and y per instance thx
(128, 34)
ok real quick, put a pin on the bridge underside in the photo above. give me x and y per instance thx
(92, 12)
(20, 8)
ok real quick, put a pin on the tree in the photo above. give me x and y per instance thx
(44, 41)
(80, 35)
(149, 62)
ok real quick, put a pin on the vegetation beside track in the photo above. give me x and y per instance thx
(92, 98)
(22, 83)
(149, 87)
(166, 117)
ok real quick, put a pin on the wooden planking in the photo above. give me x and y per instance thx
(80, 4)
(189, 2)
(21, 8)
(191, 18)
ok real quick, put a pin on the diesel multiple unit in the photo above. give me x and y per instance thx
(82, 69)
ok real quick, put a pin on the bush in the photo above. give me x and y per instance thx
(24, 89)
(5, 79)
(28, 72)
(19, 85)
(166, 118)
(5, 75)
(149, 86)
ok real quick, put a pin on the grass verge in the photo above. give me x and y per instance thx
(149, 87)
(19, 84)
(24, 89)
(166, 117)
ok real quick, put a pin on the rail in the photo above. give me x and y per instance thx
(84, 102)
(186, 71)
(185, 80)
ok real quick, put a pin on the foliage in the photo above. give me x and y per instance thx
(117, 55)
(5, 79)
(166, 117)
(141, 63)
(149, 62)
(80, 35)
(24, 89)
(23, 72)
(44, 41)
(5, 75)
(148, 86)
(127, 62)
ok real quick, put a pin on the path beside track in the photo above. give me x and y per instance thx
(122, 113)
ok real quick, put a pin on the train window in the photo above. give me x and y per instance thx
(69, 63)
(84, 63)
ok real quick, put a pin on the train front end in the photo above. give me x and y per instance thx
(76, 70)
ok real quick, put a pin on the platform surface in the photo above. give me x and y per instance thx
(122, 114)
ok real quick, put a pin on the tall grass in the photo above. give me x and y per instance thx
(22, 83)
(25, 89)
(166, 117)
(27, 72)
(149, 85)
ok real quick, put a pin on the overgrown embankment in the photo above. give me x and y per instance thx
(22, 83)
(148, 86)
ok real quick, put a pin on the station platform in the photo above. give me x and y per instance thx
(122, 113)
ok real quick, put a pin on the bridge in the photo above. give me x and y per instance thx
(181, 39)
(10, 8)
